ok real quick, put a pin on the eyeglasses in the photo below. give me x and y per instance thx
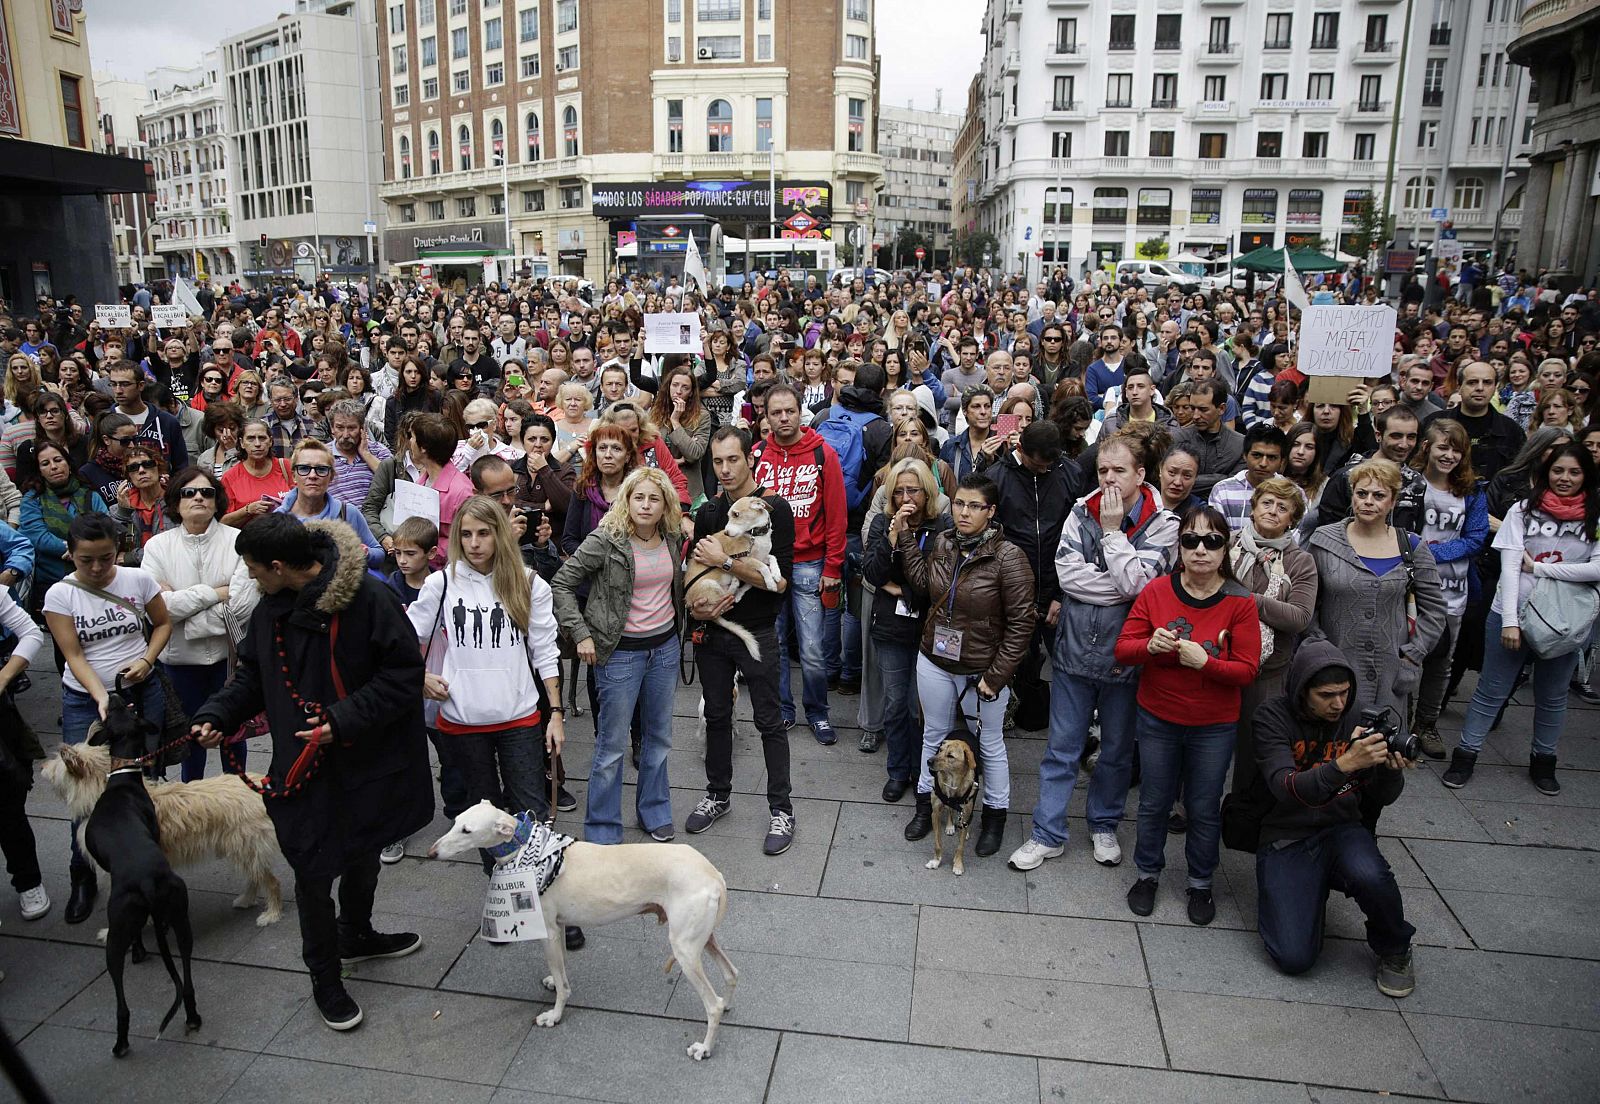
(1212, 542)
(313, 469)
(965, 507)
(478, 425)
(1050, 338)
(502, 496)
(124, 438)
(212, 379)
(207, 493)
(140, 465)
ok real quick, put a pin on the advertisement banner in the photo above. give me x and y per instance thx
(730, 201)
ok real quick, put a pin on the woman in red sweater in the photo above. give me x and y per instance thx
(1198, 637)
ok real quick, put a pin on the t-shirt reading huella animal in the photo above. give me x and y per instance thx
(111, 636)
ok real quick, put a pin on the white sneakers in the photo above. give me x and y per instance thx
(35, 902)
(393, 853)
(1107, 851)
(1032, 854)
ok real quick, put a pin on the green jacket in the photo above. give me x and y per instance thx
(605, 563)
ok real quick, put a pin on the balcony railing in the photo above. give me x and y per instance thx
(1324, 43)
(1119, 44)
(1168, 44)
(1432, 97)
(1277, 44)
(1118, 104)
(1438, 36)
(1163, 105)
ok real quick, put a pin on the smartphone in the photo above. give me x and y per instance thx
(535, 518)
(1007, 424)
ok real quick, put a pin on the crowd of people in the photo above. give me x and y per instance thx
(1109, 513)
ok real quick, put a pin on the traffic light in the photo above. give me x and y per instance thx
(263, 241)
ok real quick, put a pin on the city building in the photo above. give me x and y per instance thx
(302, 143)
(918, 151)
(55, 235)
(531, 134)
(967, 162)
(1466, 120)
(183, 122)
(1149, 127)
(1559, 42)
(117, 106)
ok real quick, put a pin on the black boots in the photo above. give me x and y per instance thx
(81, 903)
(1542, 769)
(921, 822)
(991, 831)
(1460, 769)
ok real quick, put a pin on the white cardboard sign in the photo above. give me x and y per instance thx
(114, 316)
(1342, 346)
(672, 333)
(511, 909)
(169, 315)
(414, 500)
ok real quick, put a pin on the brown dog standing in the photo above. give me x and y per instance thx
(955, 795)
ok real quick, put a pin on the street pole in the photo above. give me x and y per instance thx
(505, 209)
(138, 235)
(772, 192)
(1505, 171)
(1394, 133)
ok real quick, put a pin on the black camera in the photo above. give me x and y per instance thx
(1379, 721)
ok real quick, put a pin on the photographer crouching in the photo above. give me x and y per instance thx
(1319, 759)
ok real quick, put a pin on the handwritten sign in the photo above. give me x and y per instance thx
(1342, 346)
(511, 909)
(114, 316)
(414, 500)
(672, 333)
(169, 316)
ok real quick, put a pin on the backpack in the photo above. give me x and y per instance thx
(842, 429)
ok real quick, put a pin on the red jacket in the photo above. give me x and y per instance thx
(814, 492)
(1226, 625)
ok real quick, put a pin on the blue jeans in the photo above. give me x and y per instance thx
(1195, 758)
(941, 694)
(1292, 883)
(646, 679)
(1499, 677)
(194, 683)
(902, 729)
(1072, 704)
(801, 625)
(79, 711)
(841, 628)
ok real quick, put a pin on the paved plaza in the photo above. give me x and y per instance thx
(865, 977)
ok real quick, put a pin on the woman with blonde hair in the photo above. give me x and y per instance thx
(22, 378)
(496, 719)
(570, 412)
(481, 420)
(627, 631)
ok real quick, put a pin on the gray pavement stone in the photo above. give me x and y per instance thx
(1514, 988)
(404, 1030)
(1074, 885)
(229, 1019)
(76, 1065)
(274, 1078)
(1523, 871)
(596, 1055)
(1093, 1083)
(820, 928)
(1051, 948)
(898, 875)
(1541, 926)
(1485, 1061)
(1579, 788)
(611, 972)
(1044, 1018)
(40, 979)
(811, 1068)
(1316, 1043)
(1235, 964)
(1528, 825)
(863, 1000)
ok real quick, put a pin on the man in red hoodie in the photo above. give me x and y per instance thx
(798, 464)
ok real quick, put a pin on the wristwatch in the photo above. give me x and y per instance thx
(727, 564)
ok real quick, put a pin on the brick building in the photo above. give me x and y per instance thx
(643, 96)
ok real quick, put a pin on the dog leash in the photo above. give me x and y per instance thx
(311, 757)
(133, 707)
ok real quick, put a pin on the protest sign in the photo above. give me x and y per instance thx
(1341, 347)
(414, 500)
(672, 333)
(114, 316)
(169, 316)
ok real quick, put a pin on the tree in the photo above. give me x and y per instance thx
(970, 246)
(904, 253)
(1153, 249)
(1372, 228)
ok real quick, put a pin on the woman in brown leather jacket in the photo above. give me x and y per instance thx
(978, 591)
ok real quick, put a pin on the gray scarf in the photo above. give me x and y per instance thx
(1251, 549)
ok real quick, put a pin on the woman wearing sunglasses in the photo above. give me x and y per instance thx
(1196, 635)
(208, 591)
(140, 505)
(312, 465)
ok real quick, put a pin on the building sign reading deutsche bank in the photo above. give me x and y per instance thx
(471, 236)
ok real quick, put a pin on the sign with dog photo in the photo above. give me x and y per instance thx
(511, 912)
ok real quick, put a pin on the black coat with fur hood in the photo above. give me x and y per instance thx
(371, 785)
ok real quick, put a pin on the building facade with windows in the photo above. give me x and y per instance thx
(118, 103)
(1559, 43)
(967, 159)
(302, 144)
(55, 175)
(502, 118)
(918, 151)
(184, 127)
(1155, 126)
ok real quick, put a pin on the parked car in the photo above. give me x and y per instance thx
(1157, 275)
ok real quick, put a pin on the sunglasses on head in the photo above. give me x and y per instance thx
(1212, 542)
(198, 492)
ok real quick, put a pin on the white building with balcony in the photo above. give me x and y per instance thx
(918, 150)
(183, 124)
(1182, 125)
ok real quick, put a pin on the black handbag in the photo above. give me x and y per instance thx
(1242, 816)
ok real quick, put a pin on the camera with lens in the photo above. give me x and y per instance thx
(1381, 721)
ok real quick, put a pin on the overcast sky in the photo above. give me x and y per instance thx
(921, 56)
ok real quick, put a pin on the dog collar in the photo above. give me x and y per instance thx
(125, 770)
(519, 838)
(759, 532)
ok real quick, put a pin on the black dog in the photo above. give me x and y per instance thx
(124, 838)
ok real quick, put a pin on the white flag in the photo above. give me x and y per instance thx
(1293, 289)
(694, 268)
(184, 297)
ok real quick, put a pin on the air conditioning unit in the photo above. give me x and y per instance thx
(560, 68)
(703, 53)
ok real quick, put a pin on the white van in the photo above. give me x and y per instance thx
(1158, 275)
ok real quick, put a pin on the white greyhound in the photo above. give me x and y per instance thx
(599, 885)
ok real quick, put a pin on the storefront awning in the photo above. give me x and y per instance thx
(33, 168)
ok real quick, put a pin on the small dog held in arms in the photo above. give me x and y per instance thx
(954, 768)
(598, 885)
(124, 837)
(748, 535)
(209, 818)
